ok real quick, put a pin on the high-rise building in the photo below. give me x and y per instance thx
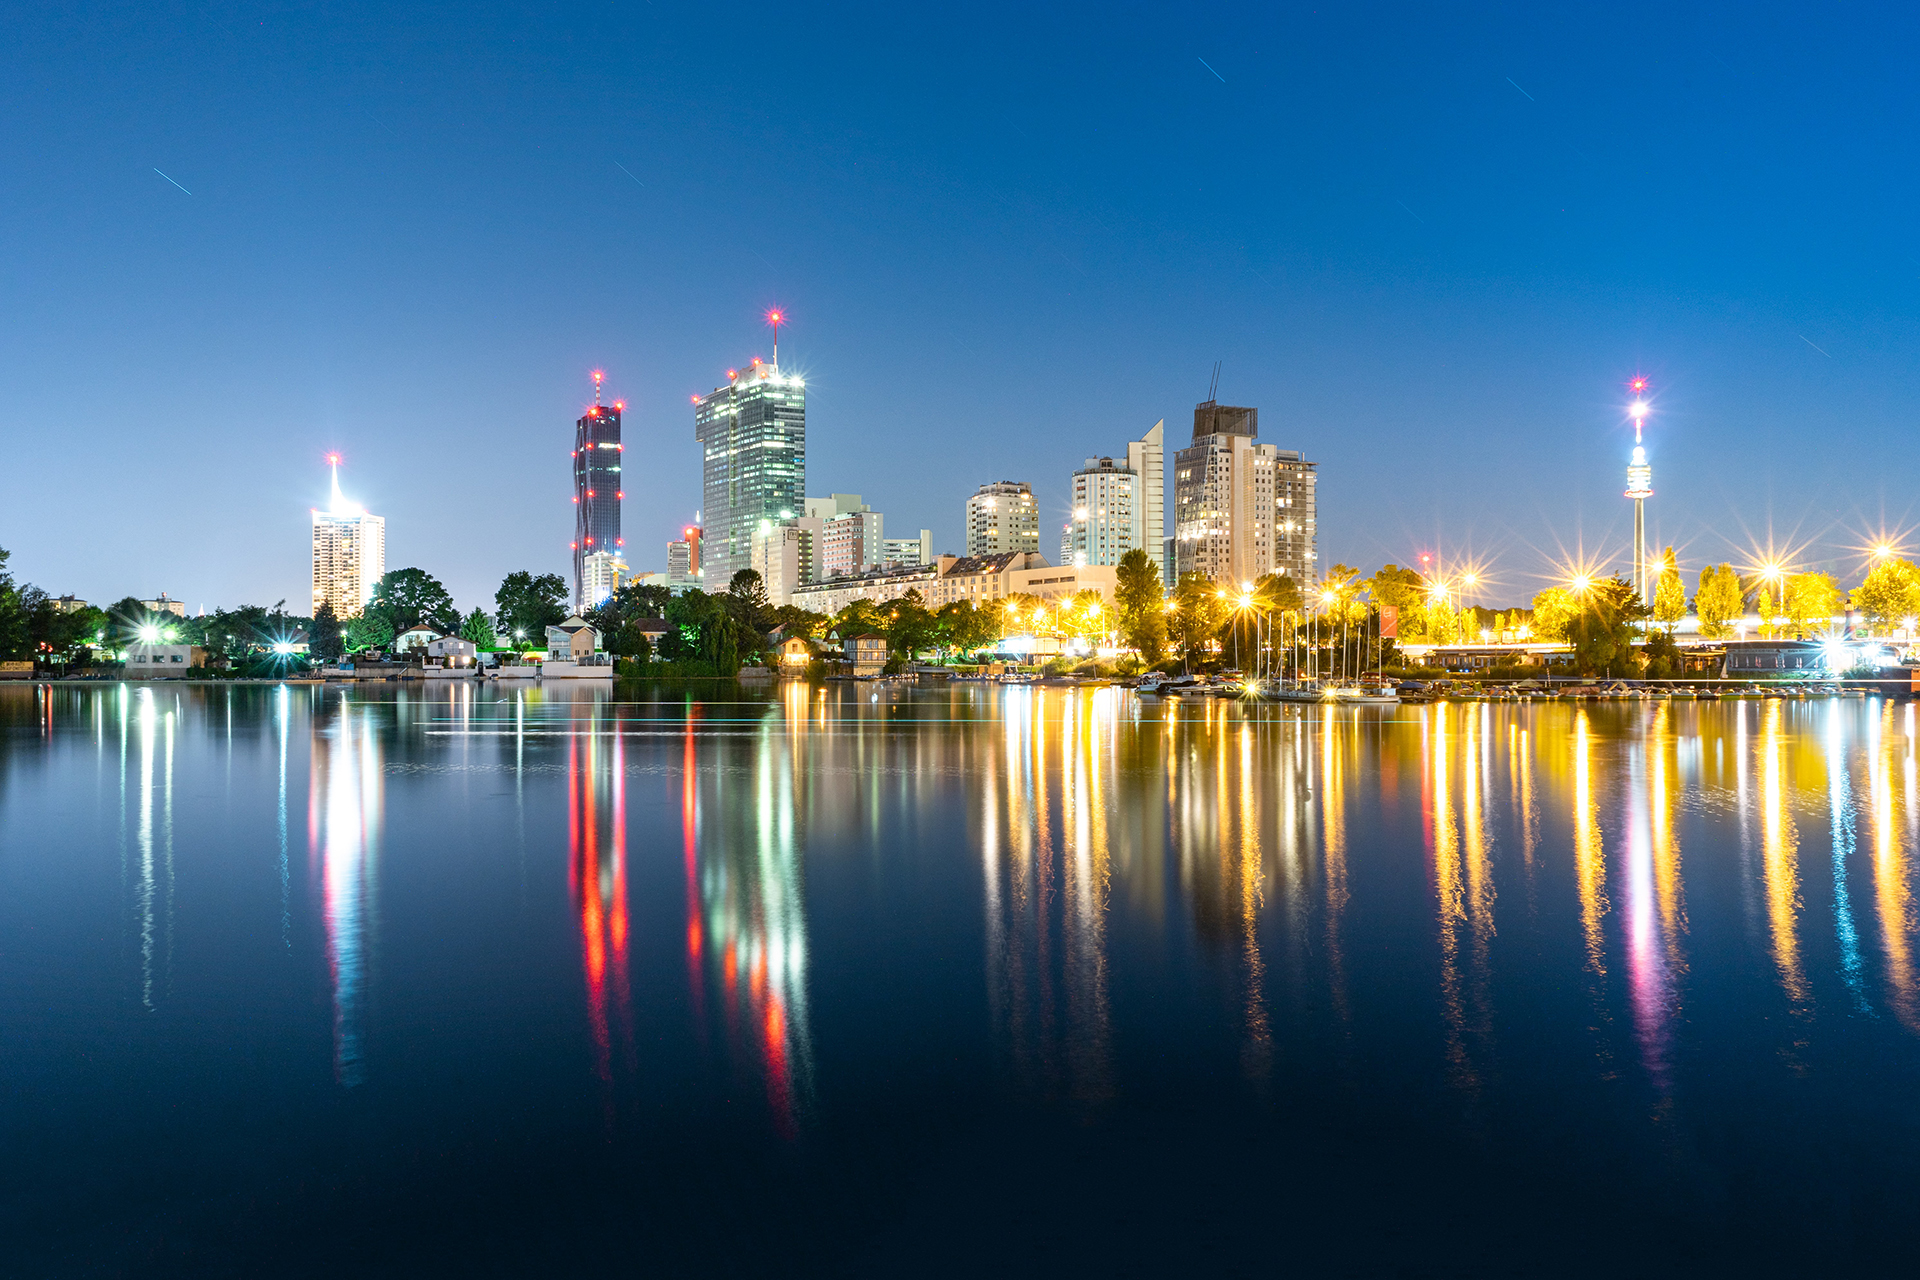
(753, 440)
(1105, 523)
(683, 561)
(1002, 518)
(853, 535)
(1146, 458)
(786, 555)
(1242, 509)
(597, 488)
(349, 553)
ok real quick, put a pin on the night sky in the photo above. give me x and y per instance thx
(1430, 243)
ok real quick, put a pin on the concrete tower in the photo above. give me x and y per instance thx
(1640, 488)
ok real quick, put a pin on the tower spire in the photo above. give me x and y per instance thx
(776, 318)
(1640, 488)
(597, 377)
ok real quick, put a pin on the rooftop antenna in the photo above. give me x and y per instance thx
(597, 376)
(1213, 388)
(776, 318)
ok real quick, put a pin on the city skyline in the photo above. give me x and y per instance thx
(1452, 289)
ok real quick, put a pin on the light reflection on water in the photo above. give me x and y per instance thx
(1473, 897)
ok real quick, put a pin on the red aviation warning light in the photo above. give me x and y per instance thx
(333, 459)
(1638, 385)
(621, 405)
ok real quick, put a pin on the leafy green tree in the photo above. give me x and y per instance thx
(324, 640)
(1602, 630)
(966, 627)
(1406, 591)
(1669, 592)
(1140, 600)
(1553, 611)
(414, 598)
(1810, 600)
(1195, 617)
(1763, 603)
(910, 627)
(15, 616)
(1890, 594)
(1719, 602)
(1663, 658)
(527, 604)
(801, 622)
(478, 630)
(369, 630)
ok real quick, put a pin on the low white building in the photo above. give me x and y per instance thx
(452, 651)
(149, 661)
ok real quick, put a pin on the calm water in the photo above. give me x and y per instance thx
(981, 981)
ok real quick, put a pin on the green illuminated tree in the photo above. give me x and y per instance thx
(414, 598)
(1141, 602)
(1669, 592)
(1553, 609)
(478, 630)
(1809, 601)
(1405, 591)
(1890, 595)
(369, 630)
(1719, 602)
(1602, 628)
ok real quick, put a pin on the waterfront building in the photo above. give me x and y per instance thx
(879, 585)
(155, 661)
(753, 441)
(1003, 517)
(1242, 509)
(74, 604)
(597, 488)
(349, 553)
(683, 561)
(571, 639)
(1106, 516)
(1053, 582)
(160, 604)
(602, 574)
(983, 580)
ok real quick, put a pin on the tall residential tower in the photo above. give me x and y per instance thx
(1242, 510)
(597, 492)
(349, 552)
(1002, 518)
(753, 440)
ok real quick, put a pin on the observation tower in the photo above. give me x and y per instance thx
(1640, 488)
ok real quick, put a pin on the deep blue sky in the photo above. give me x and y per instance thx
(1431, 243)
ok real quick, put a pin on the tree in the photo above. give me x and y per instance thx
(910, 628)
(965, 626)
(1140, 600)
(1763, 603)
(478, 629)
(1553, 610)
(324, 640)
(1405, 591)
(409, 598)
(1195, 616)
(1719, 602)
(1890, 595)
(369, 630)
(1602, 630)
(1810, 600)
(527, 604)
(1669, 592)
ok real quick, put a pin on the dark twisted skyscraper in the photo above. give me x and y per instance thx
(597, 489)
(753, 439)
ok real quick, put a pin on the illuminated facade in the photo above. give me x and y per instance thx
(349, 553)
(1003, 518)
(1640, 488)
(601, 575)
(786, 555)
(1106, 522)
(1242, 509)
(1147, 459)
(753, 442)
(597, 491)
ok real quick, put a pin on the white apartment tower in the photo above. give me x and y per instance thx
(349, 553)
(1001, 519)
(1146, 458)
(1106, 514)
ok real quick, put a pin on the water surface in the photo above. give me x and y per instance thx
(951, 981)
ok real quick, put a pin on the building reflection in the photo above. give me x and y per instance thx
(153, 734)
(345, 799)
(597, 881)
(1779, 853)
(746, 929)
(1892, 871)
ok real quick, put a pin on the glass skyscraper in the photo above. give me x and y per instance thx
(753, 439)
(597, 490)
